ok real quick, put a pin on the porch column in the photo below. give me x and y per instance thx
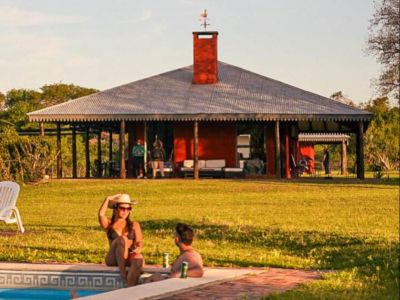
(122, 171)
(343, 158)
(237, 158)
(110, 143)
(278, 171)
(196, 150)
(87, 153)
(41, 129)
(360, 150)
(74, 171)
(145, 147)
(286, 152)
(98, 155)
(59, 158)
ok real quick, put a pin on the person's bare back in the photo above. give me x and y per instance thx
(183, 240)
(195, 264)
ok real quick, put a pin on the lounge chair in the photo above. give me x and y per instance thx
(8, 197)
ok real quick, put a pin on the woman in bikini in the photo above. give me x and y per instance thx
(124, 236)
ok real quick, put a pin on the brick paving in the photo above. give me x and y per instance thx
(273, 280)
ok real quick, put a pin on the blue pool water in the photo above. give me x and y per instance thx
(42, 294)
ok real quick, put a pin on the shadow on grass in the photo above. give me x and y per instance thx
(40, 228)
(337, 182)
(327, 250)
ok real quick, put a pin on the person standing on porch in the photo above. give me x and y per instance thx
(158, 157)
(326, 161)
(138, 159)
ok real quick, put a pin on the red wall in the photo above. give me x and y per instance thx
(285, 150)
(217, 140)
(270, 146)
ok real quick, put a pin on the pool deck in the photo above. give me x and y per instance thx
(217, 283)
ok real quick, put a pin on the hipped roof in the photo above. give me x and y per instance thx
(238, 95)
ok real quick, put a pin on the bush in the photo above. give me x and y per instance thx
(378, 171)
(23, 158)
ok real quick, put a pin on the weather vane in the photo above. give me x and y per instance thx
(203, 19)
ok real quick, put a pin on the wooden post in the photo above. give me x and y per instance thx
(286, 152)
(278, 170)
(145, 147)
(59, 158)
(98, 167)
(122, 173)
(87, 153)
(343, 158)
(237, 159)
(265, 149)
(360, 151)
(41, 129)
(196, 150)
(110, 153)
(74, 169)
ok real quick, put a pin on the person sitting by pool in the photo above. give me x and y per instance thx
(183, 240)
(124, 236)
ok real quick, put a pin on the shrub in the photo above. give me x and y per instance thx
(23, 158)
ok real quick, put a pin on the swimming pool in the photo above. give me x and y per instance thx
(42, 294)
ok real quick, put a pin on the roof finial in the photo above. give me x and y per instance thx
(203, 19)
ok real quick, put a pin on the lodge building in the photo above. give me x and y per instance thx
(199, 111)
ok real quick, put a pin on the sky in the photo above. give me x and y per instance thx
(316, 45)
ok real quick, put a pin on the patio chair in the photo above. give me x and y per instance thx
(8, 197)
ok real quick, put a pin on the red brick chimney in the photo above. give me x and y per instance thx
(205, 60)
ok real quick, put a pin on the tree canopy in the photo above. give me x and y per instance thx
(18, 102)
(2, 101)
(384, 44)
(382, 137)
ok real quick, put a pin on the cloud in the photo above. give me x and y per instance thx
(146, 15)
(142, 17)
(15, 17)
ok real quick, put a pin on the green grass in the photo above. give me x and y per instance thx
(349, 226)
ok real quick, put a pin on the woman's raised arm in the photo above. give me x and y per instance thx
(103, 220)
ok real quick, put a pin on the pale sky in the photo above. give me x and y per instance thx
(316, 45)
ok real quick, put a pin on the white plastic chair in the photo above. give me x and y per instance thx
(8, 198)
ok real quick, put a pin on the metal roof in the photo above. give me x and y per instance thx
(238, 95)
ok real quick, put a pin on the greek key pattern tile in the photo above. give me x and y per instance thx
(93, 280)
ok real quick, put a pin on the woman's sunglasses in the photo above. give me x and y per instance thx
(122, 208)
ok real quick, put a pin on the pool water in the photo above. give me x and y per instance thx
(42, 294)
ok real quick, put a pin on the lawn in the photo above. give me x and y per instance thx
(349, 226)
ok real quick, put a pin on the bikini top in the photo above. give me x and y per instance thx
(112, 234)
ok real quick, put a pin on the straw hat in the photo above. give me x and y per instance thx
(121, 199)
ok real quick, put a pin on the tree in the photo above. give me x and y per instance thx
(384, 43)
(382, 137)
(57, 93)
(338, 96)
(2, 101)
(16, 96)
(17, 104)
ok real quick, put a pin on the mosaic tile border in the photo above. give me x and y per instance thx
(60, 280)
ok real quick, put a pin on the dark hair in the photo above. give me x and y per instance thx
(129, 223)
(185, 233)
(158, 144)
